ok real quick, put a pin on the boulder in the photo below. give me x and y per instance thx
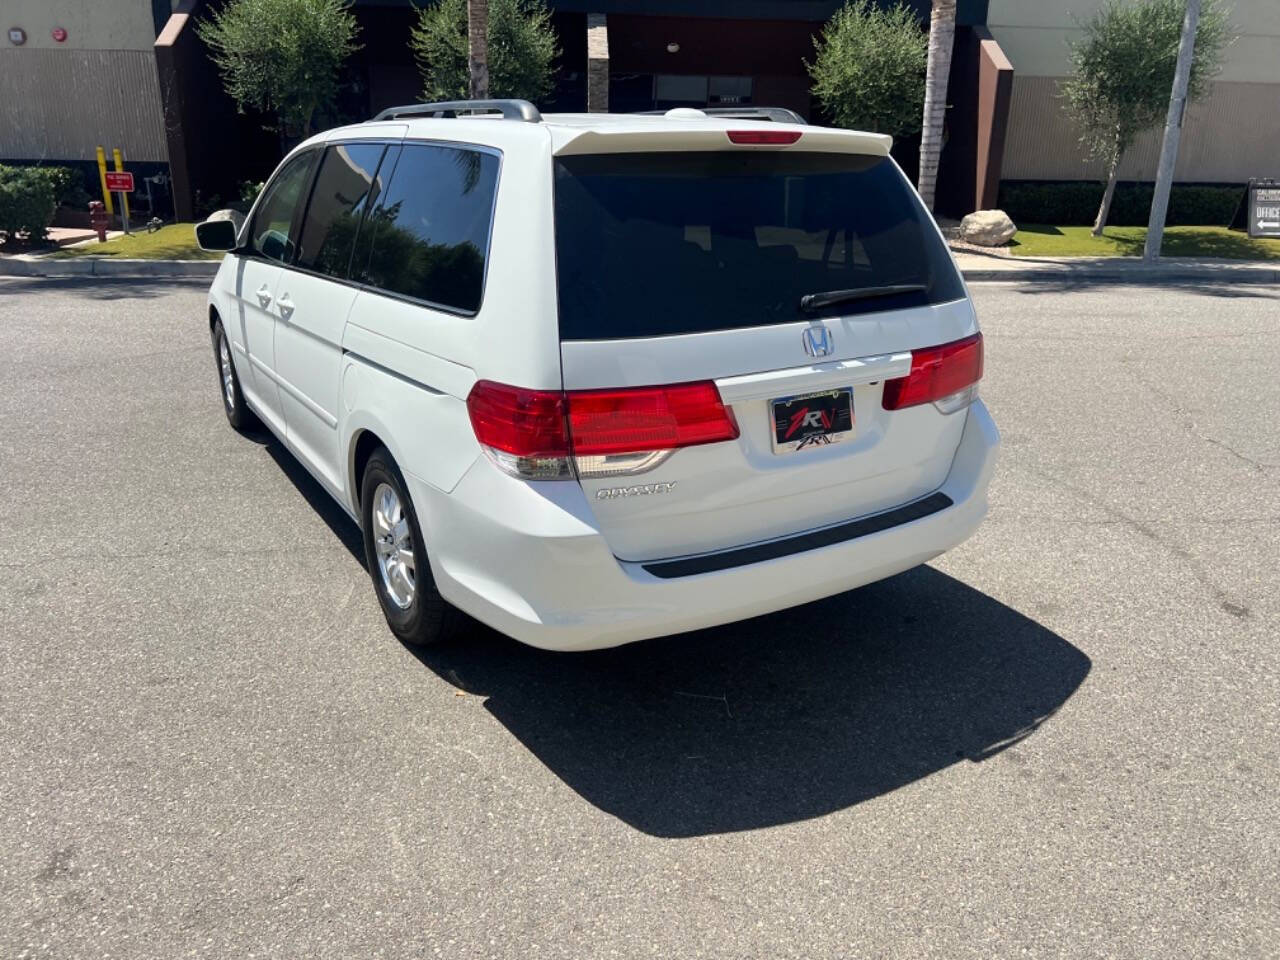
(235, 216)
(987, 228)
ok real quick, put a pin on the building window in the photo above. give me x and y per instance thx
(728, 91)
(675, 90)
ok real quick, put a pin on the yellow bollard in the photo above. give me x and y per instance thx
(102, 179)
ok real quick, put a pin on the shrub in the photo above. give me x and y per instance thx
(68, 185)
(28, 199)
(71, 187)
(522, 49)
(870, 67)
(1076, 204)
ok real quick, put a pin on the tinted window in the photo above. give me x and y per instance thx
(273, 222)
(430, 233)
(657, 244)
(346, 184)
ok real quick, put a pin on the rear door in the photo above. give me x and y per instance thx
(314, 299)
(681, 267)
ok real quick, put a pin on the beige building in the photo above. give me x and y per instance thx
(1229, 136)
(60, 99)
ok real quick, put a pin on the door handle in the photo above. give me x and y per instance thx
(285, 305)
(264, 295)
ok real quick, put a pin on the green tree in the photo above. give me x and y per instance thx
(1124, 67)
(870, 67)
(522, 49)
(282, 56)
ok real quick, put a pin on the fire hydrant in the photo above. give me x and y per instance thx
(98, 218)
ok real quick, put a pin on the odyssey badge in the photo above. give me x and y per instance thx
(636, 490)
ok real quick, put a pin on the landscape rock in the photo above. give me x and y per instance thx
(987, 228)
(235, 216)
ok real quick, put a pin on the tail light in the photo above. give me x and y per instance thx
(762, 137)
(535, 434)
(946, 376)
(523, 431)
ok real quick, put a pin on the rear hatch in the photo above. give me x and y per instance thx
(693, 266)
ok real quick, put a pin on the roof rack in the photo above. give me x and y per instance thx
(510, 110)
(775, 114)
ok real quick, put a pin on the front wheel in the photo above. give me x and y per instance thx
(233, 403)
(397, 558)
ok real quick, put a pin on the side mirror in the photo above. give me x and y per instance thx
(275, 245)
(216, 235)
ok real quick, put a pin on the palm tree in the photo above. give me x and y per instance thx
(942, 31)
(478, 47)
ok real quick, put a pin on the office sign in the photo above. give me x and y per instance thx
(1264, 208)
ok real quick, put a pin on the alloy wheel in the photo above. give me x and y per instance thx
(394, 546)
(228, 373)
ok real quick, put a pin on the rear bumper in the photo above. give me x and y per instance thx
(528, 560)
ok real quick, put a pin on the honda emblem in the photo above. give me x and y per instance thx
(817, 341)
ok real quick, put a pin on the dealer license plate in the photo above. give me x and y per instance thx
(812, 419)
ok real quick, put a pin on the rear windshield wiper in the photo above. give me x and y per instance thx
(816, 301)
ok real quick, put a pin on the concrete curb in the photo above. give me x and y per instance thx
(1035, 272)
(978, 267)
(101, 267)
(1146, 275)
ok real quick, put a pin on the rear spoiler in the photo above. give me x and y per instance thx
(709, 134)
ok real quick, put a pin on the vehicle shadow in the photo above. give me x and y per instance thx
(336, 519)
(781, 718)
(772, 720)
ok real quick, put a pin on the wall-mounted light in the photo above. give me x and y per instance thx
(17, 36)
(673, 48)
(58, 34)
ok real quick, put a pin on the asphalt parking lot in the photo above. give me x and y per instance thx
(1060, 740)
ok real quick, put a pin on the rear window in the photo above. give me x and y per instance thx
(653, 244)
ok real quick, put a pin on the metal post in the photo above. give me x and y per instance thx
(124, 212)
(1172, 129)
(124, 201)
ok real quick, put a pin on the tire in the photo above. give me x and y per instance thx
(415, 611)
(233, 403)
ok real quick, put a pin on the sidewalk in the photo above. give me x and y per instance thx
(75, 236)
(976, 267)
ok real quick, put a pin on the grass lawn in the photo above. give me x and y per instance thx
(1042, 240)
(177, 241)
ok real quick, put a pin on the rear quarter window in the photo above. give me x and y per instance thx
(672, 243)
(428, 237)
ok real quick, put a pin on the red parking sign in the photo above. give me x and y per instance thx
(119, 182)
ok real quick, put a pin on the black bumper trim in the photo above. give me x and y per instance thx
(826, 537)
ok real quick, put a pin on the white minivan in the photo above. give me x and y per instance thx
(592, 378)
